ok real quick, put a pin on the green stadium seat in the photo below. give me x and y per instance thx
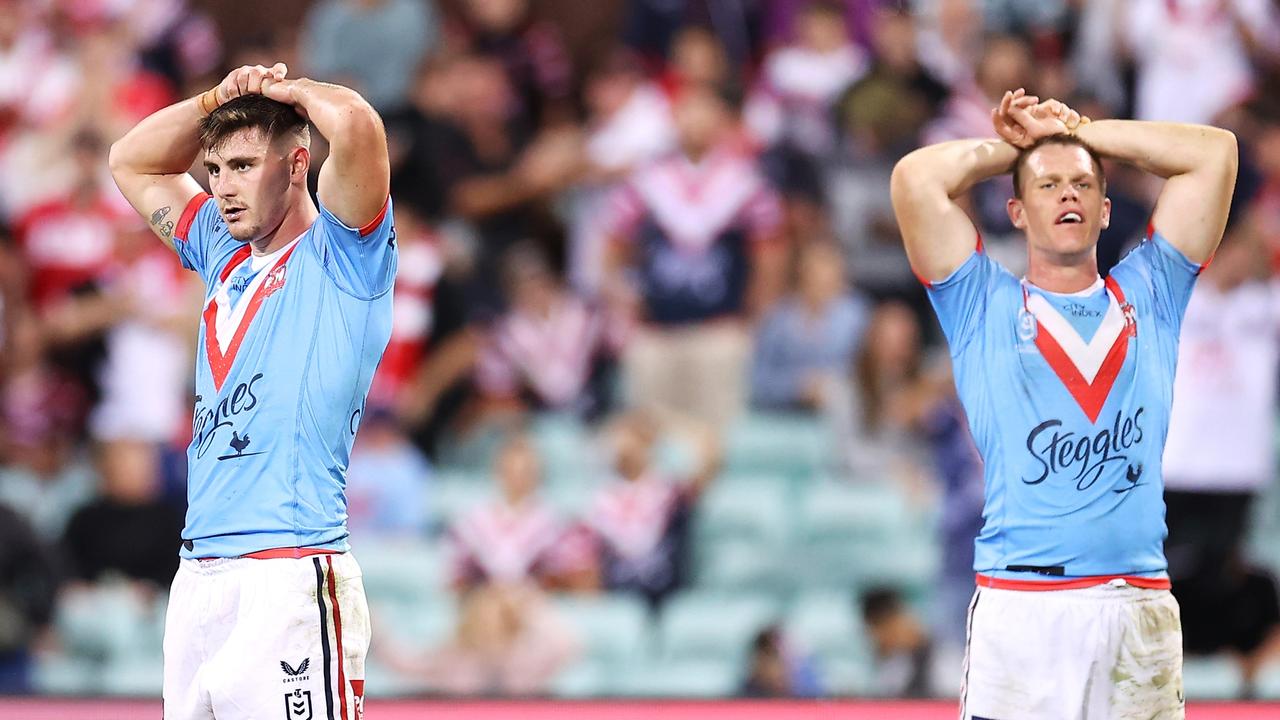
(731, 564)
(1268, 682)
(65, 674)
(792, 445)
(704, 678)
(107, 620)
(852, 511)
(1211, 678)
(401, 568)
(755, 510)
(827, 623)
(454, 495)
(614, 628)
(565, 447)
(140, 676)
(585, 679)
(702, 625)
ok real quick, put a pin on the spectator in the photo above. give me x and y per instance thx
(887, 371)
(66, 241)
(129, 530)
(39, 415)
(807, 341)
(641, 518)
(776, 670)
(700, 233)
(1220, 455)
(28, 582)
(903, 650)
(801, 81)
(531, 52)
(510, 641)
(1192, 57)
(629, 124)
(373, 46)
(550, 351)
(388, 480)
(515, 538)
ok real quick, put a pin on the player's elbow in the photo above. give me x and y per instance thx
(117, 158)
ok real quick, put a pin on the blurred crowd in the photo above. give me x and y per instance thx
(651, 217)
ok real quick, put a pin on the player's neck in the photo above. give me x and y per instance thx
(297, 218)
(1062, 277)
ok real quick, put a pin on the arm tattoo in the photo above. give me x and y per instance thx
(158, 220)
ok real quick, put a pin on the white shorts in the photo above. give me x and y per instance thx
(1113, 651)
(266, 640)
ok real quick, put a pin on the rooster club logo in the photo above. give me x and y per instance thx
(209, 419)
(275, 281)
(297, 705)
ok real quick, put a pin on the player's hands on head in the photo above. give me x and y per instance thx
(251, 80)
(1022, 119)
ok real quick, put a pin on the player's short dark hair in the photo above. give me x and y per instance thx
(1060, 139)
(274, 119)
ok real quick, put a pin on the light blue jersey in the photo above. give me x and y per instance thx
(288, 345)
(1068, 398)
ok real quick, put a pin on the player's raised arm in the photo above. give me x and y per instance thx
(1199, 163)
(150, 163)
(937, 233)
(356, 178)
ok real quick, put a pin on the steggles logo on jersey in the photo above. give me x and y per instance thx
(206, 421)
(1063, 452)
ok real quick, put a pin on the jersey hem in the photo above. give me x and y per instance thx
(1148, 583)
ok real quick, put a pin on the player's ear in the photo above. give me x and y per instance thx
(1017, 213)
(299, 164)
(1106, 213)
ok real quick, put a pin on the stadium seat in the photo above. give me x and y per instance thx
(401, 568)
(419, 623)
(791, 445)
(455, 494)
(66, 674)
(755, 510)
(1268, 682)
(105, 621)
(702, 625)
(827, 623)
(564, 446)
(1211, 678)
(138, 676)
(853, 511)
(732, 564)
(703, 678)
(586, 678)
(614, 628)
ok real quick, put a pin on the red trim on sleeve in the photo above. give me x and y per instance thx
(376, 221)
(189, 215)
(1072, 584)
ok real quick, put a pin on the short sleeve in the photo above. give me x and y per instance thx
(960, 300)
(201, 237)
(361, 261)
(1165, 272)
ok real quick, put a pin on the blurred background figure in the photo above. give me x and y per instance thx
(903, 649)
(641, 517)
(807, 341)
(1220, 457)
(509, 642)
(775, 670)
(388, 481)
(698, 232)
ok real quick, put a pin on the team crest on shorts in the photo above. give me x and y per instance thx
(297, 705)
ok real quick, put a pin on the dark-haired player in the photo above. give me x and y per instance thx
(268, 609)
(1067, 381)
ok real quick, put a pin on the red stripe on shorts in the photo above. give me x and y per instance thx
(337, 634)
